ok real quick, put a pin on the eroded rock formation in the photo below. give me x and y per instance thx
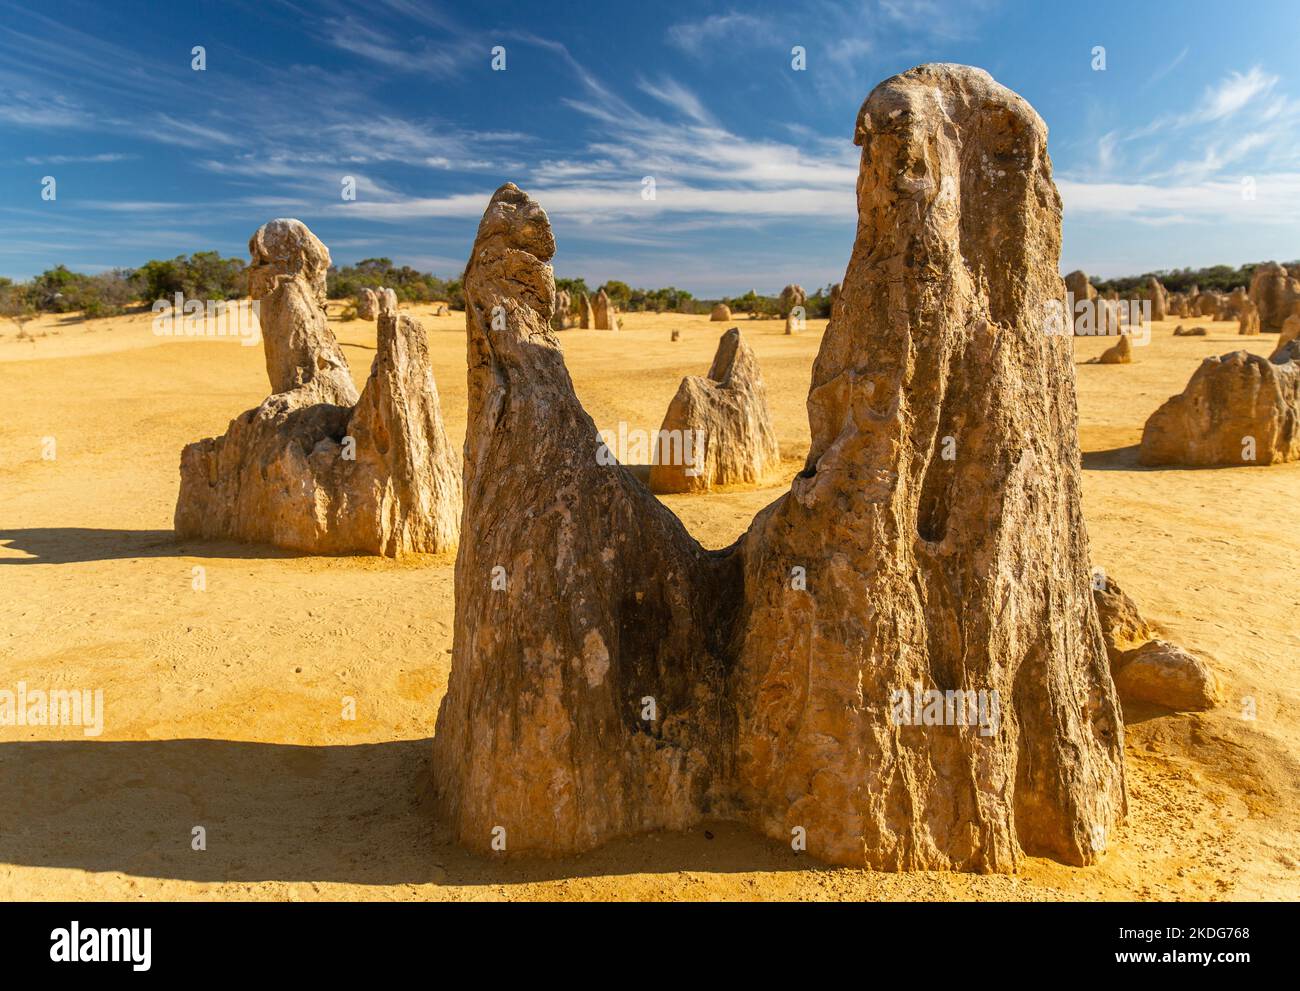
(1238, 409)
(1248, 319)
(721, 313)
(934, 544)
(367, 304)
(606, 313)
(717, 430)
(792, 296)
(1159, 299)
(1275, 292)
(315, 467)
(587, 675)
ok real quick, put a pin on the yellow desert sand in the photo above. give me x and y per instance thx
(227, 670)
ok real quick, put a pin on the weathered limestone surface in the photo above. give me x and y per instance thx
(721, 313)
(1159, 299)
(970, 573)
(602, 599)
(934, 541)
(315, 467)
(367, 304)
(1238, 409)
(723, 418)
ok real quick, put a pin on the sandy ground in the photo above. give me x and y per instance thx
(224, 707)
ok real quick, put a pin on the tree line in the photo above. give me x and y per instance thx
(206, 275)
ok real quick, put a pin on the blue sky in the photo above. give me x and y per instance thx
(753, 161)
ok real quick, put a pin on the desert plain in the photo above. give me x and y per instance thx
(226, 704)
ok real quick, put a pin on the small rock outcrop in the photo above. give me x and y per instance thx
(1159, 299)
(717, 430)
(792, 296)
(1238, 409)
(721, 313)
(316, 468)
(606, 313)
(1119, 353)
(1179, 331)
(1248, 319)
(367, 304)
(563, 304)
(1147, 669)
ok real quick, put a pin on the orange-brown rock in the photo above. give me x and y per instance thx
(717, 430)
(1275, 292)
(1159, 299)
(367, 304)
(1238, 409)
(721, 313)
(315, 467)
(1290, 332)
(1147, 669)
(1119, 353)
(1248, 320)
(792, 296)
(606, 313)
(1190, 332)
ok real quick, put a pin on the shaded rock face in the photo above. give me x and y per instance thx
(606, 313)
(1207, 305)
(1147, 669)
(367, 305)
(934, 542)
(1238, 409)
(1192, 332)
(792, 296)
(721, 312)
(602, 599)
(1275, 292)
(835, 294)
(316, 468)
(586, 318)
(717, 430)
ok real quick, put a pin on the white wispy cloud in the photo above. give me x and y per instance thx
(1243, 134)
